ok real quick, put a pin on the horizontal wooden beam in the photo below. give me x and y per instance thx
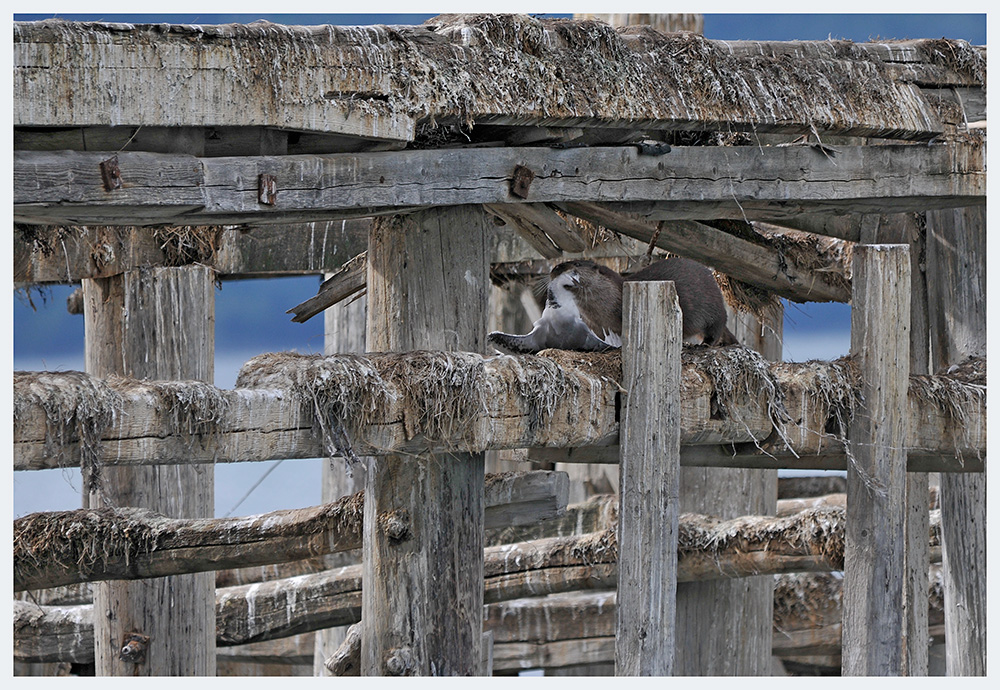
(379, 82)
(816, 272)
(777, 415)
(53, 549)
(699, 182)
(811, 541)
(69, 254)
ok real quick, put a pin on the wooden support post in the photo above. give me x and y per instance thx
(908, 228)
(956, 284)
(874, 552)
(649, 480)
(344, 326)
(428, 288)
(160, 324)
(724, 626)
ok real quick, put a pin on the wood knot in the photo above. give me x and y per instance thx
(395, 524)
(134, 648)
(400, 662)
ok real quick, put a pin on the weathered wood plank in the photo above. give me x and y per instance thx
(703, 182)
(428, 287)
(378, 81)
(70, 254)
(810, 542)
(649, 480)
(765, 263)
(159, 324)
(157, 546)
(957, 290)
(876, 474)
(273, 421)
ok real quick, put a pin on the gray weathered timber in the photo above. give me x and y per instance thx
(156, 323)
(265, 424)
(874, 564)
(767, 267)
(649, 480)
(956, 285)
(428, 287)
(724, 626)
(379, 81)
(70, 254)
(279, 608)
(700, 182)
(909, 229)
(343, 331)
(197, 545)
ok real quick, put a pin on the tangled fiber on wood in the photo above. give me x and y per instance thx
(739, 375)
(834, 385)
(443, 393)
(83, 540)
(818, 531)
(954, 393)
(189, 244)
(810, 597)
(345, 392)
(76, 406)
(192, 407)
(544, 380)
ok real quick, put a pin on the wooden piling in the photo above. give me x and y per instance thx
(154, 323)
(874, 555)
(724, 626)
(649, 480)
(344, 331)
(956, 281)
(908, 228)
(428, 279)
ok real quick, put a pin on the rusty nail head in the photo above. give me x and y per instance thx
(267, 189)
(111, 175)
(521, 181)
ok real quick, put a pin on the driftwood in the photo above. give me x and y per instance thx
(52, 549)
(307, 406)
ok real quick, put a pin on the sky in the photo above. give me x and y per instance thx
(250, 314)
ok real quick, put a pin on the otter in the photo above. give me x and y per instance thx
(583, 311)
(699, 296)
(583, 307)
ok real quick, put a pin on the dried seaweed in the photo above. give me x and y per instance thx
(816, 530)
(77, 407)
(739, 375)
(345, 392)
(442, 392)
(955, 393)
(80, 539)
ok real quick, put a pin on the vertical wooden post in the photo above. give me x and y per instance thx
(956, 284)
(344, 328)
(724, 627)
(155, 323)
(649, 480)
(907, 228)
(422, 603)
(874, 550)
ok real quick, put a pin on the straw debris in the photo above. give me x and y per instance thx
(76, 406)
(345, 391)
